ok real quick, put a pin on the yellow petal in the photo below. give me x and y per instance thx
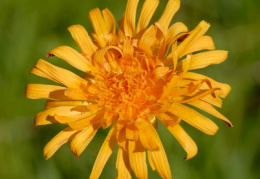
(47, 116)
(76, 94)
(168, 118)
(194, 118)
(171, 8)
(38, 72)
(52, 104)
(213, 101)
(129, 18)
(184, 139)
(104, 153)
(99, 25)
(74, 58)
(40, 91)
(109, 20)
(82, 139)
(194, 35)
(203, 43)
(148, 40)
(200, 94)
(204, 59)
(81, 37)
(137, 159)
(59, 75)
(225, 88)
(159, 162)
(211, 110)
(123, 165)
(147, 12)
(63, 119)
(61, 138)
(147, 132)
(85, 122)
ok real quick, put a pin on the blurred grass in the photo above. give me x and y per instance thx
(30, 29)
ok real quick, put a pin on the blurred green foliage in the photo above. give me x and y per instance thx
(30, 29)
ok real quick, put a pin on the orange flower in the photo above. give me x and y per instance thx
(133, 78)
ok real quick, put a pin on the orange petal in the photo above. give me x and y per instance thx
(171, 8)
(81, 37)
(40, 91)
(104, 153)
(184, 139)
(147, 12)
(211, 110)
(147, 132)
(129, 18)
(160, 72)
(167, 91)
(123, 165)
(137, 159)
(61, 138)
(82, 139)
(59, 75)
(158, 160)
(194, 118)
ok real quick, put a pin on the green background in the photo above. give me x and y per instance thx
(30, 29)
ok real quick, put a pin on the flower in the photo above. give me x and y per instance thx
(132, 79)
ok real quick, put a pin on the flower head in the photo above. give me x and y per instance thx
(133, 78)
